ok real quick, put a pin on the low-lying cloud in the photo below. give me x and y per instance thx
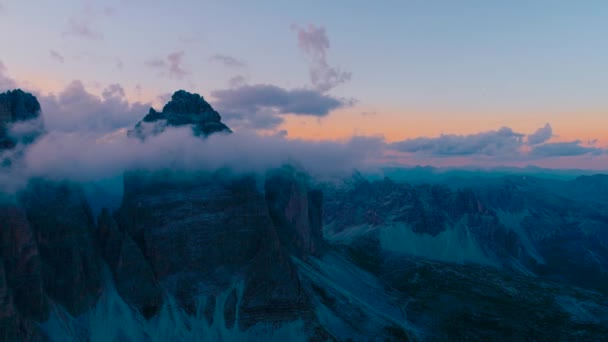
(90, 156)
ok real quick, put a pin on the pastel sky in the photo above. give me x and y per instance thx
(437, 79)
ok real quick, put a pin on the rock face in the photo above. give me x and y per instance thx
(296, 210)
(16, 106)
(201, 236)
(22, 297)
(184, 109)
(63, 225)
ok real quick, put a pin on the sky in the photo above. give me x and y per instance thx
(442, 82)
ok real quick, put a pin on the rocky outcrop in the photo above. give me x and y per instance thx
(184, 109)
(296, 210)
(16, 106)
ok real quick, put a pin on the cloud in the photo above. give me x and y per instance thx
(261, 105)
(314, 42)
(6, 83)
(83, 156)
(499, 147)
(171, 66)
(228, 61)
(564, 149)
(56, 56)
(2, 8)
(540, 135)
(119, 64)
(81, 28)
(74, 109)
(491, 143)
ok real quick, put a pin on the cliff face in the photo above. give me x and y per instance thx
(48, 256)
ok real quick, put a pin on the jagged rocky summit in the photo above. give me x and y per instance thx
(16, 106)
(184, 108)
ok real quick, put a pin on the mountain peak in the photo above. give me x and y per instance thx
(15, 106)
(184, 108)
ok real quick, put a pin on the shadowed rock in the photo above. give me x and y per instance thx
(63, 224)
(16, 106)
(184, 109)
(133, 275)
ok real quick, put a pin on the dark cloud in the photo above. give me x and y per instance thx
(492, 143)
(228, 61)
(540, 135)
(564, 149)
(6, 82)
(171, 66)
(56, 56)
(261, 105)
(75, 109)
(315, 43)
(80, 27)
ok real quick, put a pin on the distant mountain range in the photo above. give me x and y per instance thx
(417, 255)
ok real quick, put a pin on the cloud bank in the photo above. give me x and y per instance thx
(503, 145)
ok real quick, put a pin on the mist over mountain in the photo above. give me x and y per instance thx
(179, 228)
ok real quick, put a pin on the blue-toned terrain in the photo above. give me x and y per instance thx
(278, 256)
